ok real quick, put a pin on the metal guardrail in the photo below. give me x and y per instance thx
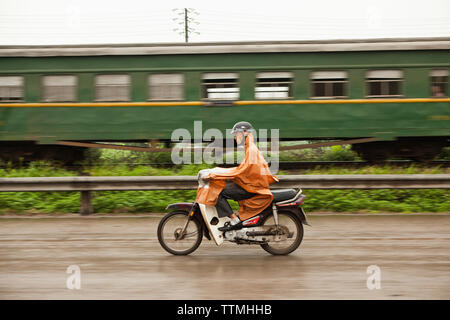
(361, 181)
(86, 185)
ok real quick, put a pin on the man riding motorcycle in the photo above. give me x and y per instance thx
(272, 219)
(247, 183)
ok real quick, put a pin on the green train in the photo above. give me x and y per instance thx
(386, 97)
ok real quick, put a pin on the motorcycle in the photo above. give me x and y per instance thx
(278, 229)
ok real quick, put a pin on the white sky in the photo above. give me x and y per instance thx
(35, 22)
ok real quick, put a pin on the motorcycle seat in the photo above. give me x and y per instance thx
(283, 194)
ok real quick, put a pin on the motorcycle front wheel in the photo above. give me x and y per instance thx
(289, 223)
(170, 233)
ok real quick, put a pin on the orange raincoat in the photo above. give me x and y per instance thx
(252, 174)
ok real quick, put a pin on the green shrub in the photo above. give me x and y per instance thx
(444, 155)
(156, 201)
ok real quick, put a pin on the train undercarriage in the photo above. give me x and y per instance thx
(418, 149)
(421, 149)
(19, 152)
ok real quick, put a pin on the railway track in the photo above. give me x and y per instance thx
(285, 165)
(304, 165)
(297, 165)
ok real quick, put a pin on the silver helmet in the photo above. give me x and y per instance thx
(241, 127)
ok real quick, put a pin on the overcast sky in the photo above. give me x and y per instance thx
(35, 22)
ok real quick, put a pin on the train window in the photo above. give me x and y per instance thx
(61, 88)
(329, 84)
(384, 83)
(11, 88)
(274, 85)
(166, 86)
(439, 83)
(220, 86)
(112, 87)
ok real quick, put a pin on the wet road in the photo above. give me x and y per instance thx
(120, 258)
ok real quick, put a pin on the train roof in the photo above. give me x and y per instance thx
(396, 44)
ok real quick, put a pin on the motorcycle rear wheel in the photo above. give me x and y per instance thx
(290, 220)
(169, 229)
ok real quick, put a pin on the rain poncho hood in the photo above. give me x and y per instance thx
(252, 174)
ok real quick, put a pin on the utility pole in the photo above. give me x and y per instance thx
(186, 22)
(186, 26)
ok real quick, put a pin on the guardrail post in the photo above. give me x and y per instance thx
(86, 203)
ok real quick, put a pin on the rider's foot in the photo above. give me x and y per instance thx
(235, 220)
(231, 225)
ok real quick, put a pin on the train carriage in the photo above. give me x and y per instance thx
(389, 95)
